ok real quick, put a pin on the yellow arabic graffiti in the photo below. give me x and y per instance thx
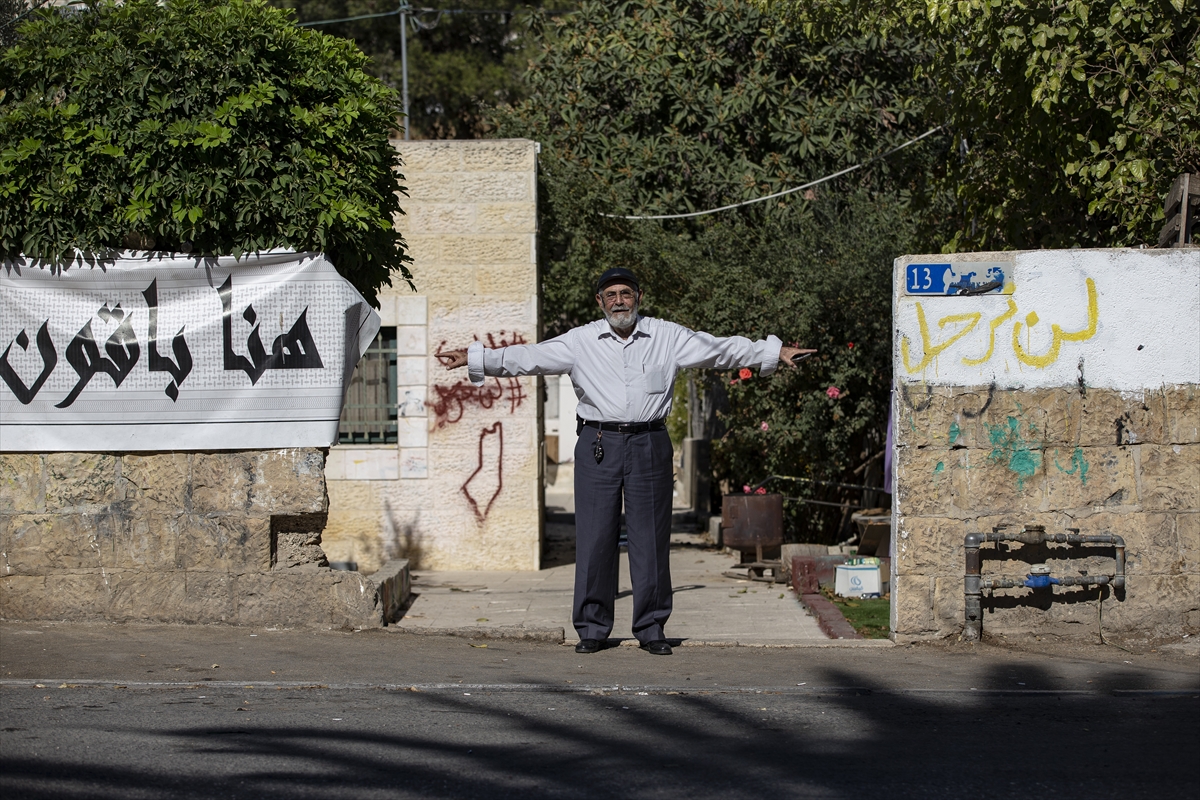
(1058, 335)
(931, 350)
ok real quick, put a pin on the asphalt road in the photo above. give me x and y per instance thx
(127, 712)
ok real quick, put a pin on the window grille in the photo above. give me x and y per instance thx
(369, 414)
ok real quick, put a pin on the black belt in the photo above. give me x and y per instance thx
(625, 427)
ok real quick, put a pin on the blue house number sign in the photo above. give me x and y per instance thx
(965, 278)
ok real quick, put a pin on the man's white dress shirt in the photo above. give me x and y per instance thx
(629, 380)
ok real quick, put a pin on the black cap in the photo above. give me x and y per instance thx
(617, 274)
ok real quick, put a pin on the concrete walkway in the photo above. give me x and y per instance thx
(710, 608)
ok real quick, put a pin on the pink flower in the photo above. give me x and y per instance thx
(761, 490)
(833, 392)
(733, 382)
(850, 345)
(746, 489)
(745, 374)
(764, 426)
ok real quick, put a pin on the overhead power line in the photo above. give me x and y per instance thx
(415, 11)
(809, 185)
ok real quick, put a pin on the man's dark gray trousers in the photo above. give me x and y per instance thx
(637, 466)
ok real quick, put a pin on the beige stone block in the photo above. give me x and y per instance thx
(490, 249)
(930, 545)
(221, 482)
(1168, 476)
(39, 544)
(1089, 476)
(429, 156)
(930, 480)
(1183, 414)
(948, 604)
(145, 541)
(76, 596)
(208, 598)
(426, 252)
(1009, 479)
(437, 187)
(289, 482)
(495, 187)
(1152, 545)
(1153, 607)
(1187, 532)
(79, 479)
(224, 544)
(73, 597)
(1112, 417)
(506, 280)
(156, 483)
(506, 218)
(23, 597)
(441, 218)
(513, 155)
(146, 596)
(436, 281)
(20, 483)
(280, 598)
(912, 596)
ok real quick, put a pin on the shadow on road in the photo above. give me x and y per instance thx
(851, 739)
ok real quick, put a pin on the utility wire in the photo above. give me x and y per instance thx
(26, 13)
(838, 174)
(416, 11)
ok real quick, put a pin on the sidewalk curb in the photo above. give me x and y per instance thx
(519, 634)
(830, 619)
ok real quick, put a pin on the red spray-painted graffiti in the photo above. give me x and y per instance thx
(453, 399)
(489, 472)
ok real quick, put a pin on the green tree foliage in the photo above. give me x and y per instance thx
(460, 65)
(208, 126)
(651, 107)
(1071, 119)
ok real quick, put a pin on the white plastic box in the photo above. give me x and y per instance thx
(855, 581)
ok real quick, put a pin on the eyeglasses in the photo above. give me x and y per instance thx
(612, 296)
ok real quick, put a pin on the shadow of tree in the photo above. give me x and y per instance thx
(1019, 730)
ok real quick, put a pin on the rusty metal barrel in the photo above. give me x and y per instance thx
(752, 521)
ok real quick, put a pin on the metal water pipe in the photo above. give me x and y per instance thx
(974, 584)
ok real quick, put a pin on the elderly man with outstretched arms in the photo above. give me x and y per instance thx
(623, 368)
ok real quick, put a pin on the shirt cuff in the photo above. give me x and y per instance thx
(475, 363)
(770, 355)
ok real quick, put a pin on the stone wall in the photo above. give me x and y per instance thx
(462, 487)
(1071, 400)
(229, 537)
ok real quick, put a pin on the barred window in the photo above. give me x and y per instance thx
(369, 415)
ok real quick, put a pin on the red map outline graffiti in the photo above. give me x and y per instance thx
(498, 430)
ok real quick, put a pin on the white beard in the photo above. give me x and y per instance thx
(622, 320)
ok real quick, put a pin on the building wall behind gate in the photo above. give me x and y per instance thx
(1071, 400)
(461, 489)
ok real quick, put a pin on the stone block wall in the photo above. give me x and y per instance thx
(462, 487)
(1087, 417)
(229, 537)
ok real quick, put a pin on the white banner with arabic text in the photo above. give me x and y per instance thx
(163, 353)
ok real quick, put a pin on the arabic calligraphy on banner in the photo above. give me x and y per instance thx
(164, 353)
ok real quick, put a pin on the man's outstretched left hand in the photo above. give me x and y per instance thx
(792, 355)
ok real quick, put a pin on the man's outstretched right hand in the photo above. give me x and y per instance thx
(452, 359)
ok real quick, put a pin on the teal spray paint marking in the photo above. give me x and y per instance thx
(941, 467)
(1078, 465)
(1008, 445)
(954, 432)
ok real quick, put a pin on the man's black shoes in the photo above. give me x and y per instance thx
(588, 646)
(659, 647)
